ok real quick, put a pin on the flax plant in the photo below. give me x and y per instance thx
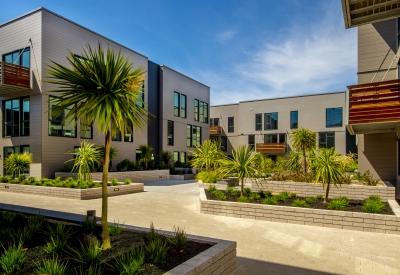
(85, 160)
(304, 140)
(18, 163)
(207, 155)
(105, 89)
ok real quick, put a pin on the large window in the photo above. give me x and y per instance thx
(176, 156)
(203, 112)
(183, 157)
(270, 121)
(86, 130)
(16, 116)
(231, 125)
(58, 126)
(252, 141)
(189, 135)
(196, 110)
(224, 143)
(183, 106)
(294, 119)
(196, 135)
(334, 117)
(170, 133)
(327, 139)
(176, 104)
(258, 122)
(20, 57)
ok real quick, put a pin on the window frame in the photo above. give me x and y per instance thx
(291, 120)
(253, 145)
(231, 128)
(258, 125)
(170, 136)
(81, 126)
(183, 106)
(320, 134)
(224, 144)
(334, 112)
(20, 119)
(269, 121)
(189, 141)
(177, 108)
(61, 123)
(196, 110)
(21, 58)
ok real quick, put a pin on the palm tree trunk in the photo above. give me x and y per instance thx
(327, 192)
(304, 161)
(241, 191)
(104, 199)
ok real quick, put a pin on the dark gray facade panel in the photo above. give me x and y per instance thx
(351, 145)
(153, 91)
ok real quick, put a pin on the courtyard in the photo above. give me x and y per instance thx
(262, 247)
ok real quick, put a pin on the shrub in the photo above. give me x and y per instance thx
(212, 188)
(60, 230)
(255, 196)
(270, 200)
(310, 200)
(129, 263)
(219, 195)
(208, 176)
(299, 203)
(115, 229)
(344, 179)
(247, 191)
(127, 181)
(320, 197)
(89, 224)
(131, 166)
(338, 204)
(55, 246)
(93, 269)
(89, 253)
(236, 193)
(18, 163)
(261, 194)
(179, 240)
(12, 259)
(156, 251)
(114, 182)
(243, 199)
(51, 267)
(31, 179)
(229, 189)
(281, 197)
(268, 193)
(373, 204)
(21, 178)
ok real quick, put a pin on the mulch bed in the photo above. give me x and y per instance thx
(355, 205)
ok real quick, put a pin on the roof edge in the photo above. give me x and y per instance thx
(162, 65)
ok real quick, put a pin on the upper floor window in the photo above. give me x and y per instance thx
(16, 117)
(270, 121)
(231, 125)
(334, 117)
(20, 57)
(86, 130)
(176, 104)
(196, 135)
(183, 106)
(258, 122)
(196, 110)
(58, 125)
(214, 121)
(275, 138)
(140, 101)
(129, 135)
(170, 133)
(115, 134)
(327, 140)
(189, 135)
(294, 119)
(203, 112)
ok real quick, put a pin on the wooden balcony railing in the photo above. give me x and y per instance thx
(215, 130)
(13, 77)
(374, 102)
(271, 147)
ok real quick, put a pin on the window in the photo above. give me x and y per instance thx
(196, 135)
(129, 134)
(170, 133)
(57, 125)
(214, 121)
(203, 112)
(274, 138)
(231, 125)
(176, 104)
(282, 138)
(189, 135)
(183, 106)
(16, 115)
(196, 110)
(224, 143)
(183, 157)
(327, 139)
(252, 141)
(176, 156)
(138, 101)
(294, 119)
(86, 130)
(334, 117)
(270, 121)
(20, 57)
(15, 150)
(258, 122)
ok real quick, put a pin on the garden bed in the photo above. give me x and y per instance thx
(200, 256)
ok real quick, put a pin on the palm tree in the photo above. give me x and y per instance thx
(304, 140)
(86, 158)
(207, 155)
(18, 163)
(327, 168)
(102, 88)
(242, 162)
(146, 154)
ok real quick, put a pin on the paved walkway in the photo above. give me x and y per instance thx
(262, 247)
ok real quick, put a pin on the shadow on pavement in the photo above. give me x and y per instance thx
(167, 182)
(246, 266)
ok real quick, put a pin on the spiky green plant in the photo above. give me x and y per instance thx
(146, 154)
(88, 253)
(179, 240)
(207, 155)
(18, 163)
(12, 258)
(129, 263)
(51, 267)
(86, 158)
(102, 88)
(165, 158)
(264, 164)
(303, 140)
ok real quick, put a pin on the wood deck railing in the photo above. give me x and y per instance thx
(215, 130)
(14, 75)
(271, 147)
(374, 102)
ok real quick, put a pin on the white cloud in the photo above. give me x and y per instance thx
(225, 36)
(315, 59)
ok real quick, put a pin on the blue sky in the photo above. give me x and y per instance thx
(242, 49)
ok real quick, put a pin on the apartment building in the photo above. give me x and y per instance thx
(266, 123)
(27, 46)
(374, 107)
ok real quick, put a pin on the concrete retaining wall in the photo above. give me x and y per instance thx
(327, 218)
(182, 177)
(305, 189)
(71, 193)
(135, 176)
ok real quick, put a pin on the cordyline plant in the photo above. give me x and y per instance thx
(18, 163)
(304, 140)
(207, 155)
(103, 88)
(86, 158)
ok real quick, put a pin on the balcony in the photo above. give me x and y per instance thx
(13, 78)
(271, 148)
(374, 107)
(215, 130)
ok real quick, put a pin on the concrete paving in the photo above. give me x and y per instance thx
(262, 247)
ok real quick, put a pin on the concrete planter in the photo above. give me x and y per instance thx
(327, 218)
(305, 189)
(71, 193)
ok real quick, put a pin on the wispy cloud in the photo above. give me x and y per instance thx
(314, 59)
(222, 37)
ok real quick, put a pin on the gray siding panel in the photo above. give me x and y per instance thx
(153, 129)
